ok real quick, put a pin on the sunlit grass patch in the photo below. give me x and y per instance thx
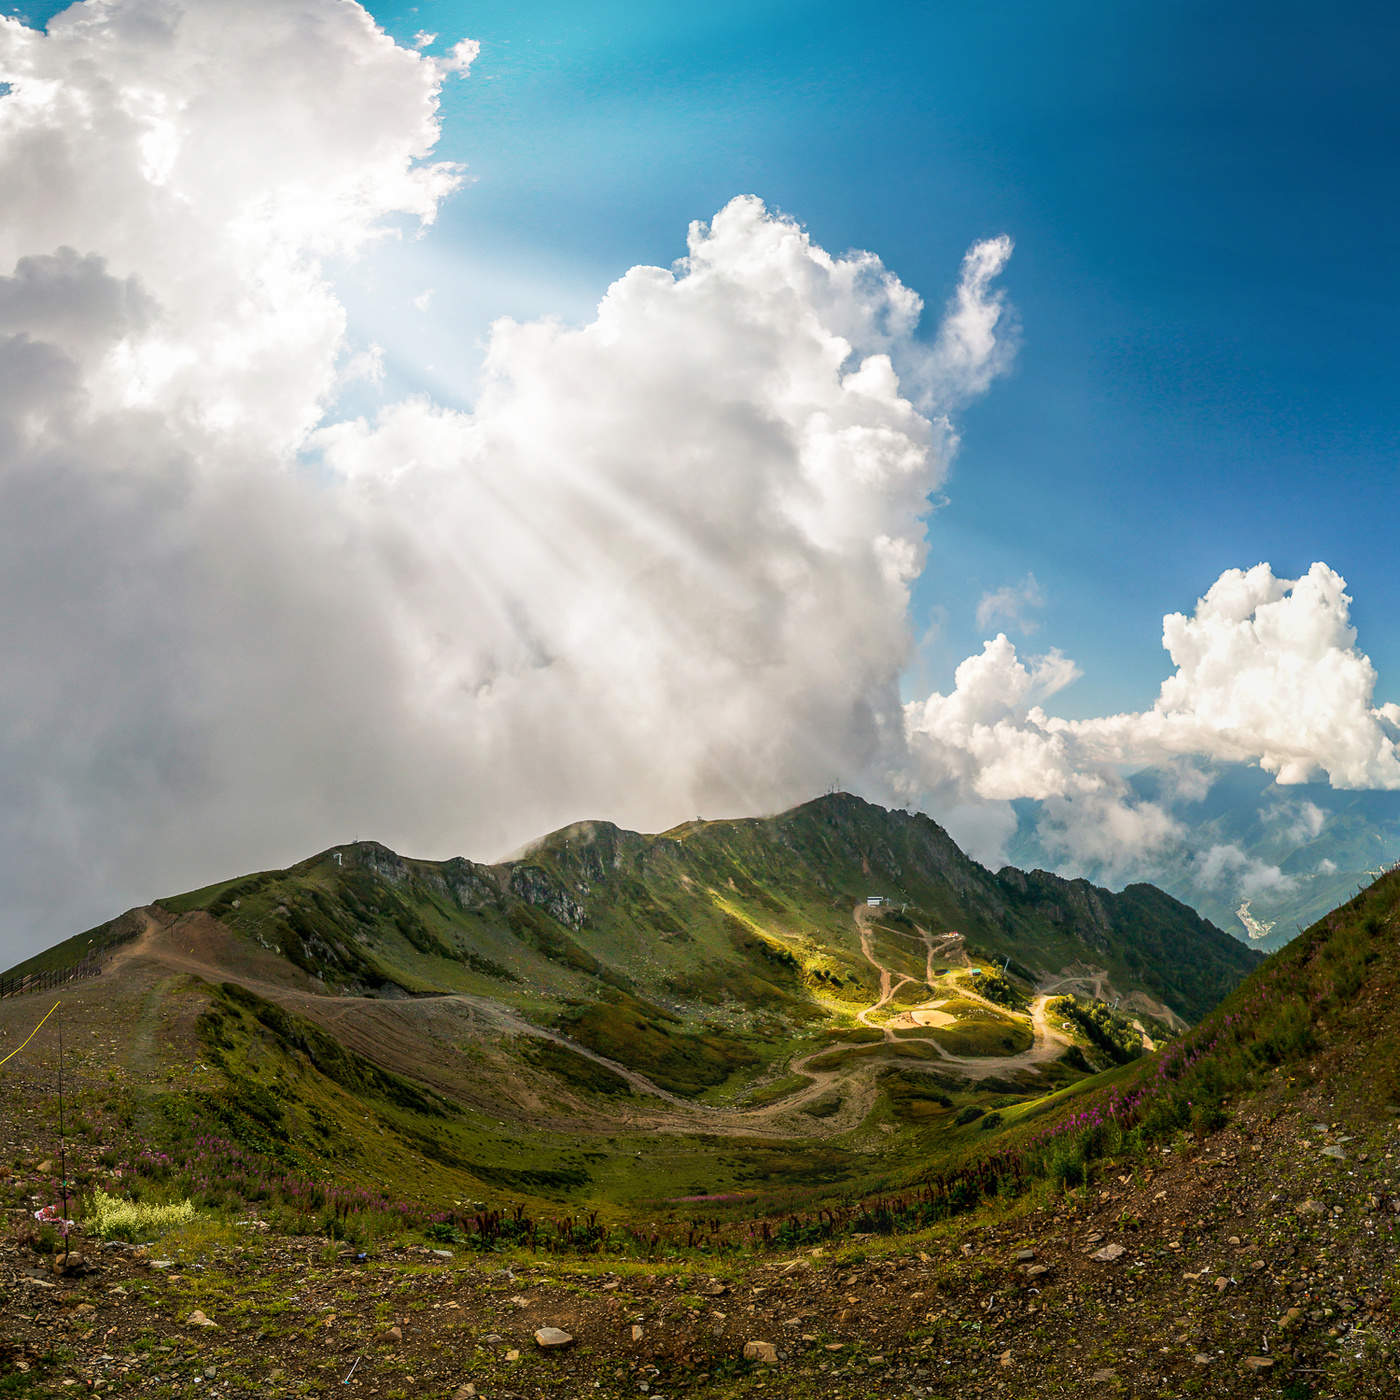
(976, 1037)
(113, 1218)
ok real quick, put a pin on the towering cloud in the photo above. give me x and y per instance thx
(666, 559)
(661, 568)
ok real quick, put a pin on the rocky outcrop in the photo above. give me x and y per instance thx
(470, 886)
(535, 886)
(386, 864)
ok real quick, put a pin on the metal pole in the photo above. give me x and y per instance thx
(62, 1137)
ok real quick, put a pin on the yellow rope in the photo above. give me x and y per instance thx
(33, 1033)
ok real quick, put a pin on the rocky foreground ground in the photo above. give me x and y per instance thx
(1262, 1262)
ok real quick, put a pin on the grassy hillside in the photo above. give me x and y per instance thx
(752, 913)
(621, 1022)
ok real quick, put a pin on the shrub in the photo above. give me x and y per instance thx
(1117, 1037)
(1066, 1165)
(45, 1240)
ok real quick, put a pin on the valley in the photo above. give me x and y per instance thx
(620, 1023)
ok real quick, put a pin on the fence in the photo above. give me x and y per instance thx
(90, 966)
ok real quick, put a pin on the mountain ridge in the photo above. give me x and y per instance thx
(837, 847)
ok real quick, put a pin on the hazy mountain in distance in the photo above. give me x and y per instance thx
(1259, 860)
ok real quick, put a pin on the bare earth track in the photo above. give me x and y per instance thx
(394, 1032)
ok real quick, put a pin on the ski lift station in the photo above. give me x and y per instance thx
(874, 901)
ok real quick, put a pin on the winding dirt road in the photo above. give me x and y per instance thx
(397, 1032)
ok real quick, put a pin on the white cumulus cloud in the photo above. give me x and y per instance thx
(1226, 866)
(1300, 822)
(185, 145)
(661, 567)
(991, 733)
(1267, 672)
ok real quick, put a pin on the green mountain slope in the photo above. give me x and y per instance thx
(1217, 1218)
(719, 1000)
(755, 912)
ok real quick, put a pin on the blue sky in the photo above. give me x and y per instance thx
(1203, 200)
(1203, 203)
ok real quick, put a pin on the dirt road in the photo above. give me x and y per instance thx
(396, 1032)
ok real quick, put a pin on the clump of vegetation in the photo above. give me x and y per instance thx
(914, 1098)
(996, 986)
(116, 1219)
(1118, 1038)
(983, 1035)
